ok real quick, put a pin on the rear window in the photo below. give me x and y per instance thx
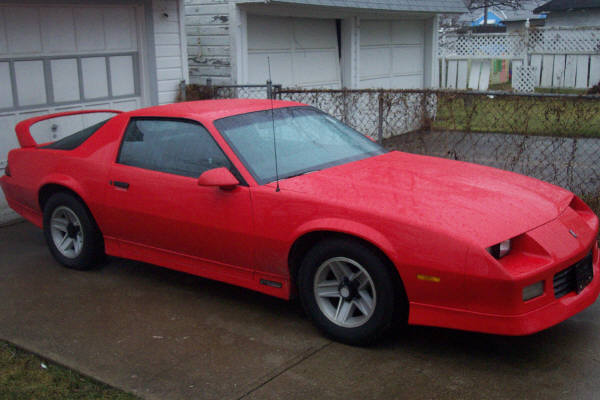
(75, 140)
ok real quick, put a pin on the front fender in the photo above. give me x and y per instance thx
(348, 227)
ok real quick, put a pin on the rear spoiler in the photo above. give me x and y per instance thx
(22, 128)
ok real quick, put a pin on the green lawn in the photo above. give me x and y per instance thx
(546, 116)
(26, 376)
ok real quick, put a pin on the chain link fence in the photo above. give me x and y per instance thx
(555, 138)
(376, 113)
(210, 91)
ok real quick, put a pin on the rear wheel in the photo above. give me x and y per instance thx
(348, 291)
(71, 232)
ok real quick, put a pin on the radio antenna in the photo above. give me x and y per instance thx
(270, 93)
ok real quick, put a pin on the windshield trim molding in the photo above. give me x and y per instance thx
(270, 179)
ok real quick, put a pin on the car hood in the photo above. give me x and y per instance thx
(481, 204)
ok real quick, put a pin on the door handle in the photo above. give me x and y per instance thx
(122, 185)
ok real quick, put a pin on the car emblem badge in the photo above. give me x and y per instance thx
(573, 233)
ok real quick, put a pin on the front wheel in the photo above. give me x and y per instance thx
(347, 290)
(71, 232)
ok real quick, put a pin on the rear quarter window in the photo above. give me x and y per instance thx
(76, 139)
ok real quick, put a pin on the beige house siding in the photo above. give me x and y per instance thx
(207, 25)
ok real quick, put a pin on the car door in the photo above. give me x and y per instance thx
(155, 202)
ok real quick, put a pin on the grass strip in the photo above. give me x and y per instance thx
(25, 376)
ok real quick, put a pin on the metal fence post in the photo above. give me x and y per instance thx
(345, 105)
(210, 88)
(425, 119)
(182, 90)
(380, 122)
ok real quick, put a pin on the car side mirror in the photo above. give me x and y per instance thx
(220, 177)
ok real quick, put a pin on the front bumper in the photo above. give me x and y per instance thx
(492, 294)
(521, 324)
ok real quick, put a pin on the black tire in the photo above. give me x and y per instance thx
(382, 279)
(91, 252)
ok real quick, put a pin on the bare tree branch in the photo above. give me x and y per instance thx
(479, 4)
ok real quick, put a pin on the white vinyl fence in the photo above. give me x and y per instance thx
(550, 57)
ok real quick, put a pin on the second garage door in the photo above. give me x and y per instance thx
(57, 58)
(303, 51)
(392, 54)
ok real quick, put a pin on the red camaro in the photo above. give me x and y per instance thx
(290, 201)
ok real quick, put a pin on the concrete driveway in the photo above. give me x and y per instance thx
(166, 335)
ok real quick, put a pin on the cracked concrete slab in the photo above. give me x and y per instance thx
(166, 335)
(151, 331)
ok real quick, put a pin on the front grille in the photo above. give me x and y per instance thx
(574, 278)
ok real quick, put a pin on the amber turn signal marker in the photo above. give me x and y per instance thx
(428, 278)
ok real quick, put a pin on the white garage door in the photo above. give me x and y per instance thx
(303, 51)
(58, 58)
(391, 54)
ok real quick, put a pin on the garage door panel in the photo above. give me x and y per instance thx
(392, 54)
(266, 33)
(3, 41)
(23, 30)
(59, 60)
(374, 33)
(281, 68)
(57, 128)
(41, 131)
(58, 30)
(9, 139)
(375, 83)
(407, 81)
(122, 75)
(89, 29)
(95, 81)
(314, 34)
(6, 93)
(127, 105)
(375, 61)
(65, 80)
(316, 67)
(118, 29)
(31, 83)
(407, 60)
(408, 32)
(303, 51)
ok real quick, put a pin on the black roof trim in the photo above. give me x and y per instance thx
(566, 5)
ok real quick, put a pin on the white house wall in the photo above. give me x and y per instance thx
(171, 57)
(208, 25)
(218, 47)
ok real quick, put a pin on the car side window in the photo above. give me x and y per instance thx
(171, 146)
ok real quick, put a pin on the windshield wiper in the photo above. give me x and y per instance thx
(302, 173)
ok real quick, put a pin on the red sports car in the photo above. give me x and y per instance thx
(286, 200)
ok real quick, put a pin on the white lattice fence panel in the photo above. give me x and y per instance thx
(483, 46)
(564, 41)
(565, 57)
(525, 78)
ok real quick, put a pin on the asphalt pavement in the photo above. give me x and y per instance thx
(162, 334)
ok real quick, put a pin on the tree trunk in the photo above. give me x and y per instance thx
(485, 13)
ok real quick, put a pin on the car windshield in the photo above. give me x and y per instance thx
(307, 140)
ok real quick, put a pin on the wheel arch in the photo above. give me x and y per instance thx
(47, 189)
(306, 241)
(51, 187)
